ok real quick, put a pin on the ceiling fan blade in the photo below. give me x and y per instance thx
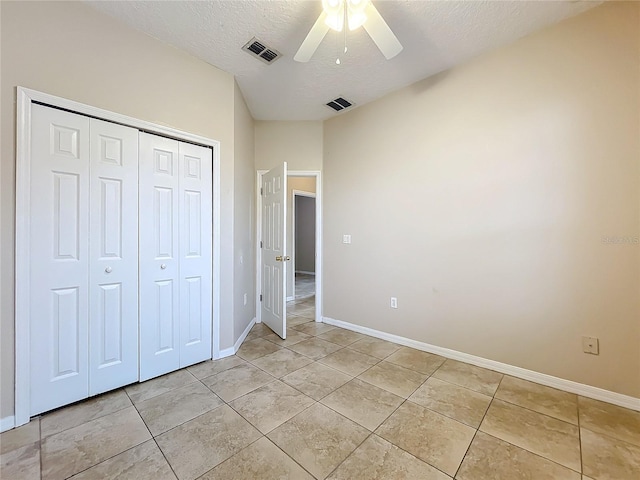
(314, 37)
(380, 33)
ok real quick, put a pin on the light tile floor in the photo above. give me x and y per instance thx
(328, 403)
(305, 286)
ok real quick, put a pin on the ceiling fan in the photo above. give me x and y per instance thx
(336, 14)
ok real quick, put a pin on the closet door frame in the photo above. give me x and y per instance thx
(25, 99)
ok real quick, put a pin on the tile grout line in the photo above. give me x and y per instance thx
(80, 402)
(298, 390)
(526, 449)
(154, 438)
(614, 439)
(229, 457)
(530, 452)
(180, 424)
(475, 434)
(198, 416)
(579, 435)
(398, 446)
(394, 411)
(580, 444)
(290, 457)
(171, 389)
(535, 411)
(493, 397)
(165, 457)
(351, 453)
(505, 441)
(407, 400)
(41, 440)
(263, 435)
(40, 444)
(119, 453)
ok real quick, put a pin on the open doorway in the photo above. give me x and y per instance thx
(301, 282)
(303, 298)
(303, 261)
(301, 237)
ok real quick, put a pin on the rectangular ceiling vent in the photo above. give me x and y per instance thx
(258, 49)
(339, 104)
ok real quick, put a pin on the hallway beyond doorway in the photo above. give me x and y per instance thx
(304, 286)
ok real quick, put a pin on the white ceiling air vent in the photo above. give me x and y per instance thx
(259, 50)
(339, 104)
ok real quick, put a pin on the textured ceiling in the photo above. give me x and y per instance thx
(436, 35)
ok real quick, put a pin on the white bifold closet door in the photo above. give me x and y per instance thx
(175, 254)
(83, 256)
(113, 252)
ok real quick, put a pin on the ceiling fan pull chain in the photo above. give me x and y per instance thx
(346, 23)
(338, 49)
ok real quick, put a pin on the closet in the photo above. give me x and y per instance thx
(120, 255)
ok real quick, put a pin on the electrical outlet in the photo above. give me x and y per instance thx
(590, 345)
(346, 239)
(394, 302)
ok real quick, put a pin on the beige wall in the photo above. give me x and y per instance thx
(297, 143)
(68, 49)
(480, 198)
(304, 184)
(244, 217)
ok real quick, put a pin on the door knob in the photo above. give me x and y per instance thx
(163, 266)
(108, 270)
(280, 258)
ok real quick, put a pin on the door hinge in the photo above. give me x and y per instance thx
(260, 243)
(260, 297)
(261, 191)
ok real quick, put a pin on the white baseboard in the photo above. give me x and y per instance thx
(290, 298)
(227, 352)
(306, 273)
(537, 377)
(7, 423)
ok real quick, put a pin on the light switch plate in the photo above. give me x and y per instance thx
(346, 239)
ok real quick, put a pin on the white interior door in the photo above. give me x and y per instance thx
(59, 255)
(159, 264)
(195, 269)
(113, 277)
(274, 281)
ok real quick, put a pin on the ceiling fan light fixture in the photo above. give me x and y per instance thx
(356, 13)
(334, 10)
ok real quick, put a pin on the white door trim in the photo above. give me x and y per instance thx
(25, 99)
(295, 193)
(291, 173)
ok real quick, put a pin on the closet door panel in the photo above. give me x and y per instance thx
(59, 256)
(195, 253)
(159, 256)
(113, 329)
